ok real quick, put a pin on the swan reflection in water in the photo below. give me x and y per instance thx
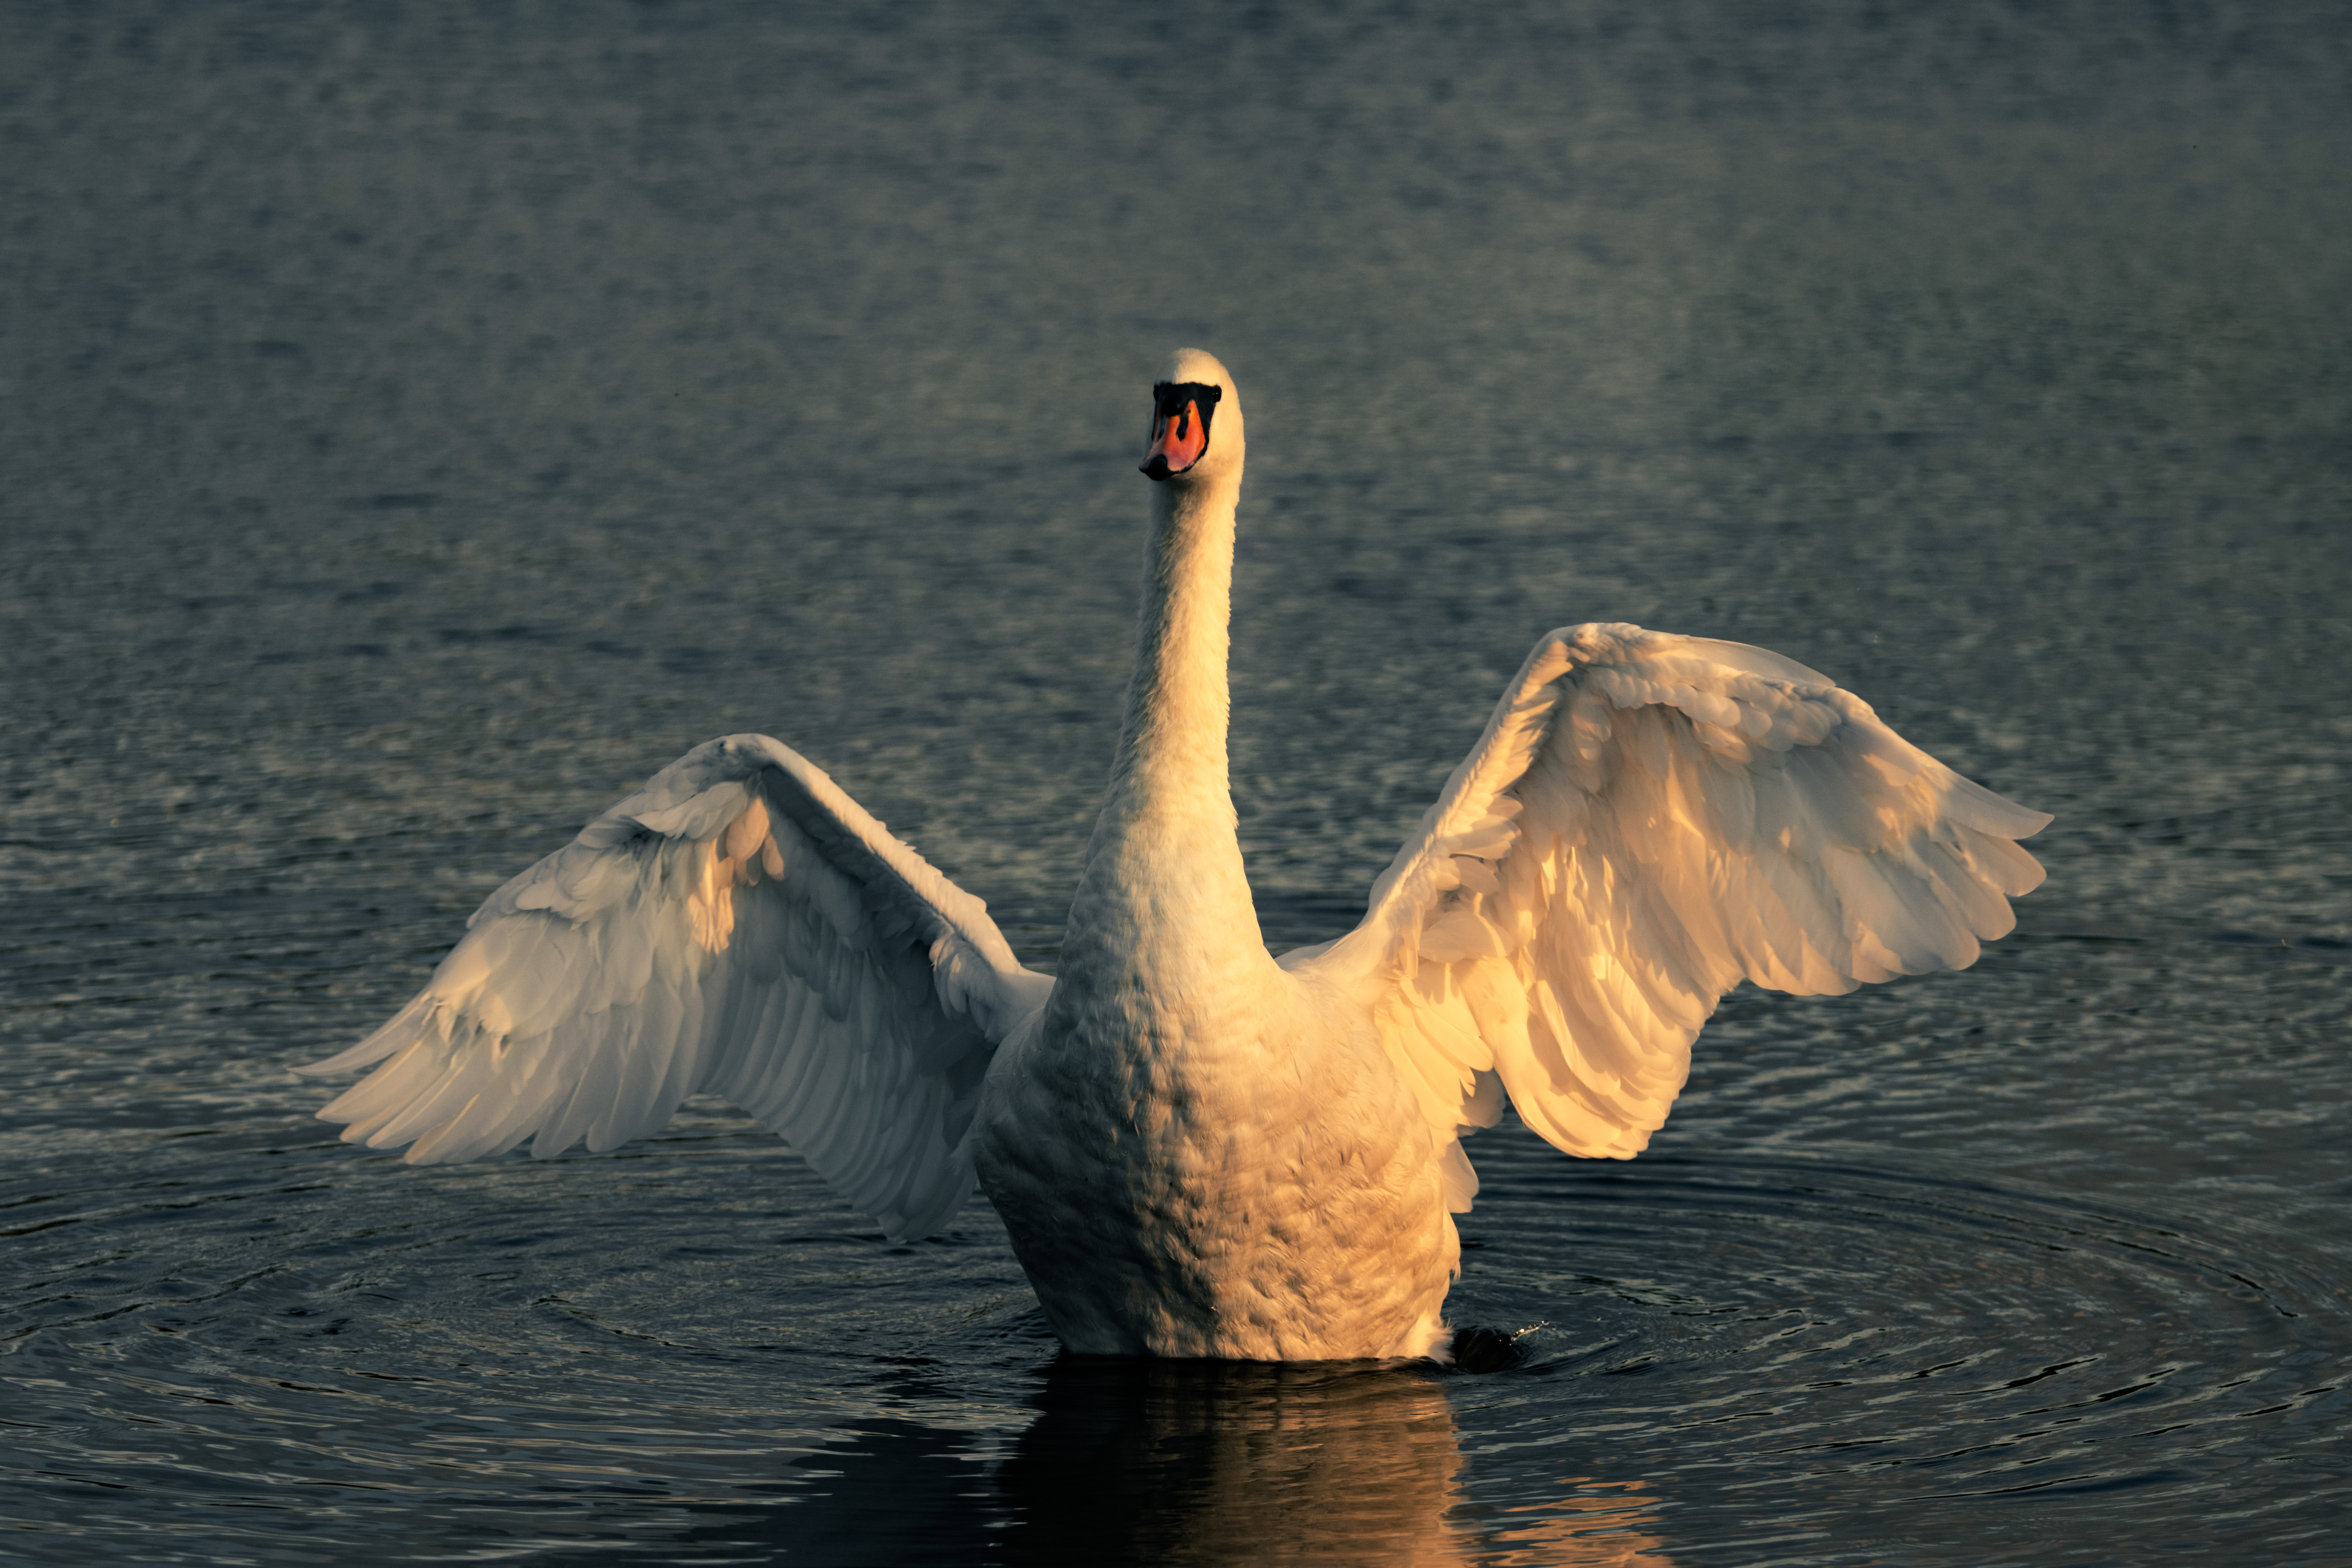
(1147, 1461)
(1172, 1461)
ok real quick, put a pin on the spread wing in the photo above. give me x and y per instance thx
(1648, 820)
(738, 927)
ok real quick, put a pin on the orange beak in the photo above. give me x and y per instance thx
(1178, 440)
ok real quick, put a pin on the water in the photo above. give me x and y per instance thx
(417, 424)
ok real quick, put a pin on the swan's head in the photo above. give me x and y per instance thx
(1196, 422)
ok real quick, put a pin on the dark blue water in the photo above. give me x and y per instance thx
(419, 423)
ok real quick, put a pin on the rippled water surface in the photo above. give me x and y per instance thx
(419, 423)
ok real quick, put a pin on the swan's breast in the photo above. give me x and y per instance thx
(1184, 1172)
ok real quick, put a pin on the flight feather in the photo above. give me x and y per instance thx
(1648, 820)
(742, 926)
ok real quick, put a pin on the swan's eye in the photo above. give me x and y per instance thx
(1171, 399)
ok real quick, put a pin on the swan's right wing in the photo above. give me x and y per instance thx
(738, 927)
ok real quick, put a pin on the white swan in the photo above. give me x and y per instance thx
(1197, 1149)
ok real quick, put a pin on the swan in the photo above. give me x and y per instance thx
(1197, 1149)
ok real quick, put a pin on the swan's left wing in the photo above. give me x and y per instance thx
(742, 926)
(1648, 820)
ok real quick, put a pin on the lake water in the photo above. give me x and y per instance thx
(418, 423)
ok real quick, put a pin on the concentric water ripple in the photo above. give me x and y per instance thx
(1868, 1334)
(692, 1346)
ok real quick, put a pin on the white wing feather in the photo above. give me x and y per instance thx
(739, 927)
(1648, 820)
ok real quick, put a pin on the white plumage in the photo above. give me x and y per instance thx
(1198, 1149)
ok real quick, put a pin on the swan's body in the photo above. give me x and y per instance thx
(1199, 1150)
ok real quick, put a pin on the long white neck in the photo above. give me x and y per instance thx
(1163, 884)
